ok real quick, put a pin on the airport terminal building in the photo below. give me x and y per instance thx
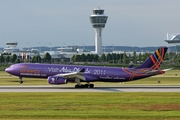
(61, 54)
(173, 39)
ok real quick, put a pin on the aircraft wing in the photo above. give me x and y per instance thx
(73, 75)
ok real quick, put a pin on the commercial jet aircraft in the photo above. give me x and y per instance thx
(62, 74)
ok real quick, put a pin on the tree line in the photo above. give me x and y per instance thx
(7, 58)
(122, 58)
(172, 58)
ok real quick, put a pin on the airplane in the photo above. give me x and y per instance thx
(58, 74)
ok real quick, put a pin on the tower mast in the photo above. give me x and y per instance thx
(98, 20)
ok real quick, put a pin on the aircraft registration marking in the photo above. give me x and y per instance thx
(30, 71)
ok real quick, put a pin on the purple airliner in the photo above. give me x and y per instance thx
(62, 74)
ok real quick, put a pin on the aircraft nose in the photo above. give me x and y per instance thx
(12, 70)
(7, 70)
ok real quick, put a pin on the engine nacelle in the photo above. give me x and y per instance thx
(56, 80)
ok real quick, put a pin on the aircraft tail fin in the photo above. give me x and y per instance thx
(155, 59)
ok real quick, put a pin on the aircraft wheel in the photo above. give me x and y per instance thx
(77, 86)
(82, 86)
(86, 85)
(20, 82)
(91, 85)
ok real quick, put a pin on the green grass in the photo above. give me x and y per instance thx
(92, 106)
(134, 106)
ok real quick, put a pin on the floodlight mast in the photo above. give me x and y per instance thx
(98, 20)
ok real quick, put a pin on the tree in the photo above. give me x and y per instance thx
(2, 59)
(103, 58)
(83, 56)
(13, 58)
(36, 59)
(114, 57)
(140, 57)
(92, 58)
(118, 58)
(124, 58)
(145, 56)
(89, 57)
(73, 58)
(78, 58)
(96, 58)
(109, 57)
(134, 57)
(47, 57)
(17, 60)
(7, 59)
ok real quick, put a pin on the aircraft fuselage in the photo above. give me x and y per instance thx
(91, 73)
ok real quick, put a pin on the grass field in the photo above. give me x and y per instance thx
(133, 106)
(92, 106)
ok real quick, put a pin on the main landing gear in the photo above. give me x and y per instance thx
(20, 78)
(78, 85)
(84, 86)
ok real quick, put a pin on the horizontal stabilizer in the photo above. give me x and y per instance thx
(154, 72)
(167, 69)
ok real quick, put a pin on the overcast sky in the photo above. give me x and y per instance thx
(66, 22)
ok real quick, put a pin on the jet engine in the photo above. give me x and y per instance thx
(56, 80)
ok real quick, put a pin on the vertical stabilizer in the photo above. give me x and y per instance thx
(155, 59)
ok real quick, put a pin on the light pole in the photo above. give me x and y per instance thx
(50, 46)
(39, 47)
(104, 48)
(50, 50)
(39, 51)
(64, 45)
(75, 48)
(112, 46)
(28, 52)
(83, 47)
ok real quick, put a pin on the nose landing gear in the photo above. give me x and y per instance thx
(20, 78)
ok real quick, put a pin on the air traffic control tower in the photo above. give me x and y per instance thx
(98, 20)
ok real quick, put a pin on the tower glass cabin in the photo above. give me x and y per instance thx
(98, 20)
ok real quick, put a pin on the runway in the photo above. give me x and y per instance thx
(129, 88)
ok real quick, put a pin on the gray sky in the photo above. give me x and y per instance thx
(130, 22)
